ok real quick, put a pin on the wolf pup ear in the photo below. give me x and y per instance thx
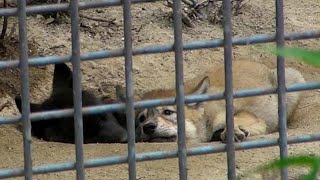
(62, 77)
(33, 107)
(202, 88)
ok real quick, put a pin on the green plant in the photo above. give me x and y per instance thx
(313, 162)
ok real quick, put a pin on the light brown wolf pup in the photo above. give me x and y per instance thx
(206, 121)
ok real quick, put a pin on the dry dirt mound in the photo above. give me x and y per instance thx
(152, 24)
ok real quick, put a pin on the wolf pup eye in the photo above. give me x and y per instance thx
(142, 118)
(167, 112)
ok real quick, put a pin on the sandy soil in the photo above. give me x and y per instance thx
(152, 24)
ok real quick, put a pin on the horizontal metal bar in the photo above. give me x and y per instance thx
(45, 115)
(49, 8)
(157, 155)
(241, 41)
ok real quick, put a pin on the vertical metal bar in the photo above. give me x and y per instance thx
(281, 87)
(178, 48)
(227, 30)
(129, 89)
(24, 74)
(77, 95)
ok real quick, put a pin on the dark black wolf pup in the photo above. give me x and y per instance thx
(97, 128)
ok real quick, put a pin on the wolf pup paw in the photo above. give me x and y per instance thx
(240, 134)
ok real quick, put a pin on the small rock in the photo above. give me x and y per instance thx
(39, 16)
(99, 10)
(49, 20)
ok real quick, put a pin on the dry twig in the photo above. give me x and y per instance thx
(5, 23)
(210, 10)
(4, 105)
(97, 18)
(185, 19)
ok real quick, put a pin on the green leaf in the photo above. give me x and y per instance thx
(307, 56)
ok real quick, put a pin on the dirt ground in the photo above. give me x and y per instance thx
(152, 24)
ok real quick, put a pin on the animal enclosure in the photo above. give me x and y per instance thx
(80, 164)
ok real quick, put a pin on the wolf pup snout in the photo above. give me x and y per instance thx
(149, 128)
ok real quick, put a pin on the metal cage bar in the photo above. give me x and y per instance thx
(281, 87)
(45, 115)
(242, 41)
(77, 93)
(180, 99)
(39, 9)
(130, 113)
(157, 155)
(24, 75)
(227, 32)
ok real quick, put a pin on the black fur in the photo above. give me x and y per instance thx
(97, 128)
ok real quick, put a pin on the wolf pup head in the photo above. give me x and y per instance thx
(159, 124)
(97, 128)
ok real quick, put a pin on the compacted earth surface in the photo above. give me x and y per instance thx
(152, 24)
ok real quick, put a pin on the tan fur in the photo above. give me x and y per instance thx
(253, 115)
